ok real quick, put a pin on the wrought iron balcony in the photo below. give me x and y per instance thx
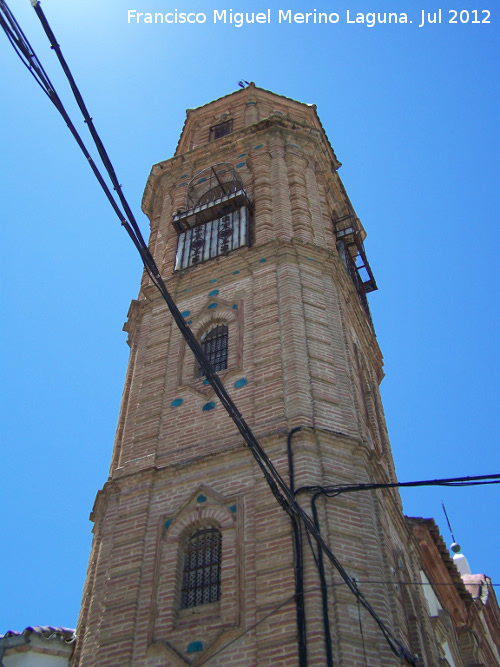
(352, 252)
(216, 219)
(209, 192)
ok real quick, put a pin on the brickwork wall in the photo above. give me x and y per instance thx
(300, 339)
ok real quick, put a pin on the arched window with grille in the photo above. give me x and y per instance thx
(202, 567)
(214, 344)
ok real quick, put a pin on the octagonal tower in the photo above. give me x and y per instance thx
(193, 561)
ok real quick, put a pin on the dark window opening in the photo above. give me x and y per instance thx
(220, 130)
(214, 345)
(201, 575)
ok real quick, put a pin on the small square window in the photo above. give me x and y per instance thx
(220, 130)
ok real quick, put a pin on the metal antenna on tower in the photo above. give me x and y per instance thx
(455, 547)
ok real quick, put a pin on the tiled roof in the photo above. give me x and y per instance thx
(433, 529)
(46, 631)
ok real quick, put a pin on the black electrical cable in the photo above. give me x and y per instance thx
(298, 553)
(23, 48)
(277, 485)
(79, 99)
(336, 489)
(318, 559)
(315, 590)
(419, 583)
(324, 589)
(299, 591)
(30, 60)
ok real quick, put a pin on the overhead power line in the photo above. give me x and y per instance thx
(315, 589)
(334, 490)
(97, 140)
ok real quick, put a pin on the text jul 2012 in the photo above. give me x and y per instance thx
(285, 16)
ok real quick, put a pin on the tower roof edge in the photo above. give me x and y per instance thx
(255, 89)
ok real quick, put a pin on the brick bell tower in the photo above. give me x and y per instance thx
(193, 560)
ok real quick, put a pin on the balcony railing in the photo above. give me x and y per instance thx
(208, 192)
(352, 252)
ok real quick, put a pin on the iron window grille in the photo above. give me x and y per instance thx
(214, 238)
(202, 566)
(220, 130)
(214, 344)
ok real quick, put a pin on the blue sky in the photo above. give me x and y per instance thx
(412, 114)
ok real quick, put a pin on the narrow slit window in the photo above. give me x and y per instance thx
(214, 345)
(202, 561)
